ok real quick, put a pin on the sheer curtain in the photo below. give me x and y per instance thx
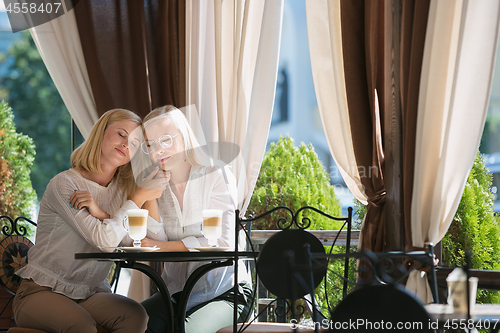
(454, 93)
(201, 93)
(344, 44)
(59, 45)
(234, 93)
(325, 47)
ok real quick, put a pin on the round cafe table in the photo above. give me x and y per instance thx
(214, 259)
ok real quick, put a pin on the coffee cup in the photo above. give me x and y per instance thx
(212, 225)
(137, 224)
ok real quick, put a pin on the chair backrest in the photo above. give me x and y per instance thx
(280, 254)
(379, 297)
(14, 248)
(376, 308)
(283, 265)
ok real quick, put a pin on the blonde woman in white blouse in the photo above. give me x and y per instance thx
(194, 185)
(83, 210)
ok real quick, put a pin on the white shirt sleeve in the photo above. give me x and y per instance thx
(156, 230)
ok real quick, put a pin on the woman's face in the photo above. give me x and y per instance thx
(165, 157)
(120, 143)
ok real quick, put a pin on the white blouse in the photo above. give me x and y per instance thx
(206, 188)
(63, 231)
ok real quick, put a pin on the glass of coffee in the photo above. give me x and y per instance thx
(212, 225)
(137, 225)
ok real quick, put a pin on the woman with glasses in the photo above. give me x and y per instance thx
(82, 210)
(194, 185)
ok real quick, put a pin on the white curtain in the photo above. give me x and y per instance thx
(455, 86)
(59, 45)
(232, 52)
(200, 69)
(325, 47)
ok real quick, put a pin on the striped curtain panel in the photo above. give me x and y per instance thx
(220, 57)
(115, 54)
(133, 51)
(440, 74)
(58, 43)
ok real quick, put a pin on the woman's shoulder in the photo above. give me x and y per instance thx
(72, 180)
(72, 177)
(63, 182)
(65, 176)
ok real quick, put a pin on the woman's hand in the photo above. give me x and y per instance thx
(83, 199)
(152, 187)
(147, 242)
(170, 246)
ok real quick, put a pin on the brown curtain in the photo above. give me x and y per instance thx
(360, 45)
(134, 52)
(413, 29)
(364, 41)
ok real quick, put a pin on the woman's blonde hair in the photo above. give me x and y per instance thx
(87, 156)
(195, 157)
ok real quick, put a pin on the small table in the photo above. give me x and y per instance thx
(216, 258)
(486, 316)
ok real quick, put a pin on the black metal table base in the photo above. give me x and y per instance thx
(213, 260)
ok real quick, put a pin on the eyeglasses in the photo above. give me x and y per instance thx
(165, 141)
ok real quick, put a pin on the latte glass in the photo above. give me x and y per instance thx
(212, 225)
(137, 225)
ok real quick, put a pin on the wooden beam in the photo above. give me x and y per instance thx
(489, 280)
(392, 134)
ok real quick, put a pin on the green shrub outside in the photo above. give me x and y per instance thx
(475, 228)
(17, 153)
(295, 177)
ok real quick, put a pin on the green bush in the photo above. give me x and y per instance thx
(39, 110)
(475, 228)
(17, 153)
(295, 177)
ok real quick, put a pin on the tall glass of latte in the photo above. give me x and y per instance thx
(137, 225)
(212, 225)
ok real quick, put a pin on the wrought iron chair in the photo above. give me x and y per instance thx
(273, 269)
(14, 248)
(379, 301)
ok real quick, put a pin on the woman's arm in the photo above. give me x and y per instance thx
(152, 207)
(106, 233)
(169, 246)
(84, 199)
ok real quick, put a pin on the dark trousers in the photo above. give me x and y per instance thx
(206, 317)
